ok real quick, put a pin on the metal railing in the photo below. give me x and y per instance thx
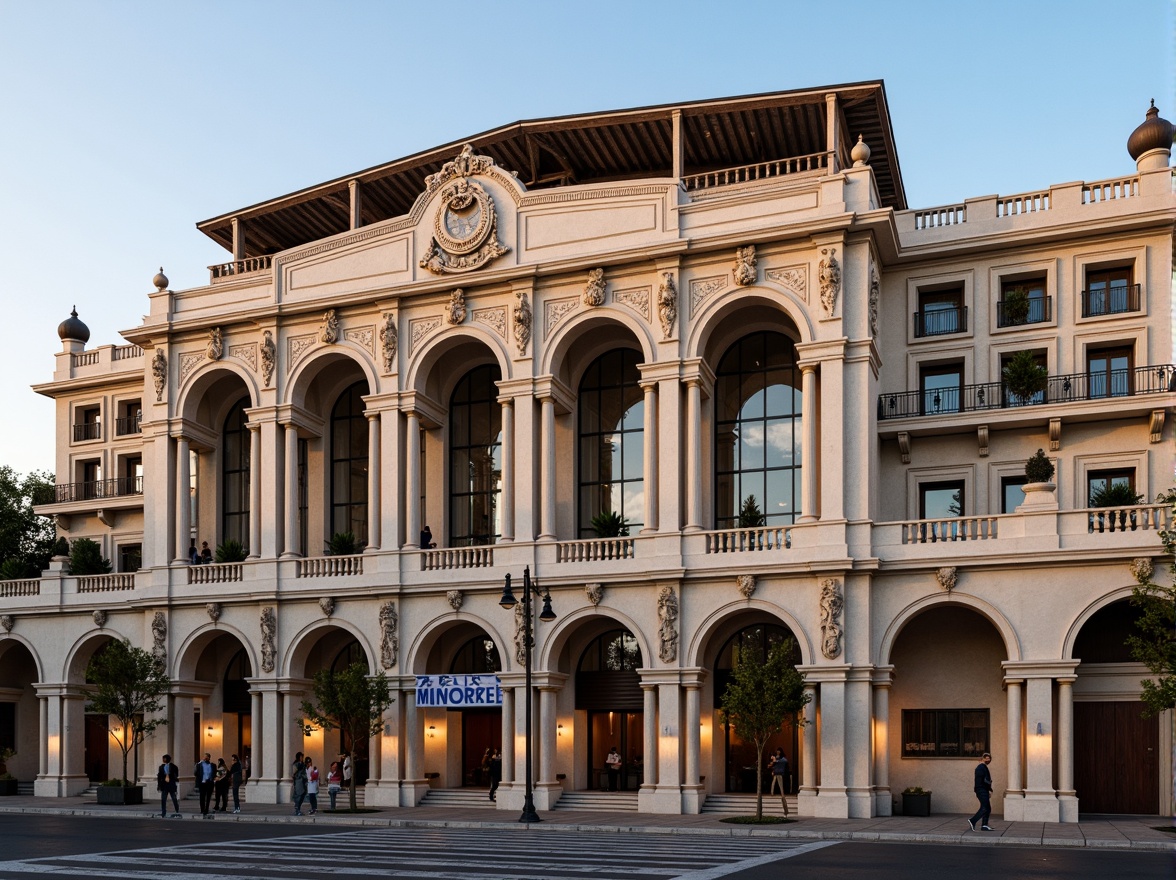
(1040, 310)
(1110, 301)
(758, 171)
(129, 425)
(89, 490)
(748, 540)
(329, 566)
(938, 322)
(457, 557)
(87, 431)
(1157, 379)
(240, 267)
(594, 550)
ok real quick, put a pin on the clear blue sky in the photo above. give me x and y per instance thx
(122, 124)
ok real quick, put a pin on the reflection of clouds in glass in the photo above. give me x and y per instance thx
(784, 438)
(634, 501)
(752, 434)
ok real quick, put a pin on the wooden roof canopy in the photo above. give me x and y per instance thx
(593, 148)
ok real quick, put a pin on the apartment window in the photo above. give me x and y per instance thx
(1023, 302)
(1110, 292)
(131, 482)
(91, 473)
(130, 418)
(1012, 493)
(475, 459)
(941, 500)
(1108, 371)
(944, 733)
(89, 424)
(942, 387)
(130, 557)
(1117, 481)
(941, 312)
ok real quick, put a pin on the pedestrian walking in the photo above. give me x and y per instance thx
(982, 785)
(235, 774)
(166, 783)
(205, 780)
(298, 773)
(613, 764)
(334, 782)
(220, 803)
(495, 772)
(781, 776)
(312, 783)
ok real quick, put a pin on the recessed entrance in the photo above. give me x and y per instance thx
(609, 688)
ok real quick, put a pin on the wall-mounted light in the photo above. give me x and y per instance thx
(1040, 729)
(432, 730)
(559, 729)
(210, 730)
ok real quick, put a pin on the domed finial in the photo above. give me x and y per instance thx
(160, 280)
(1154, 136)
(72, 328)
(860, 153)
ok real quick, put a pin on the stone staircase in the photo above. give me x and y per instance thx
(461, 798)
(737, 804)
(24, 789)
(598, 801)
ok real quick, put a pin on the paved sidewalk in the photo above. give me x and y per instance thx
(1127, 832)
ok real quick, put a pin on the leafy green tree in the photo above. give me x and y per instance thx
(352, 701)
(128, 684)
(1155, 646)
(24, 536)
(750, 515)
(760, 697)
(85, 557)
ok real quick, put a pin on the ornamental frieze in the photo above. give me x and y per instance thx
(246, 353)
(364, 337)
(189, 362)
(636, 298)
(795, 278)
(702, 288)
(494, 318)
(555, 311)
(296, 346)
(419, 328)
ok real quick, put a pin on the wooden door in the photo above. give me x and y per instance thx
(97, 744)
(481, 729)
(1116, 758)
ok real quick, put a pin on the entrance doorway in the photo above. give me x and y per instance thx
(97, 749)
(609, 688)
(1116, 758)
(481, 730)
(623, 730)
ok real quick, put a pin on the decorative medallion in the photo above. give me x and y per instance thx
(745, 583)
(667, 631)
(189, 362)
(159, 634)
(594, 592)
(522, 322)
(795, 278)
(419, 328)
(329, 331)
(831, 605)
(388, 340)
(829, 274)
(389, 639)
(555, 311)
(465, 227)
(744, 272)
(494, 318)
(702, 288)
(213, 609)
(100, 618)
(296, 347)
(7, 621)
(667, 304)
(216, 344)
(594, 289)
(159, 372)
(364, 337)
(327, 604)
(455, 312)
(269, 630)
(636, 298)
(946, 577)
(269, 357)
(454, 598)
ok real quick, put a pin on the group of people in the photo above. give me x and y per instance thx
(211, 779)
(203, 556)
(305, 777)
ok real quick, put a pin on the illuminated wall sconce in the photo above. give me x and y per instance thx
(210, 731)
(432, 730)
(559, 729)
(1040, 729)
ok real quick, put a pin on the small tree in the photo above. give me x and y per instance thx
(343, 544)
(85, 557)
(759, 698)
(352, 701)
(610, 524)
(750, 515)
(1039, 469)
(1155, 646)
(230, 550)
(1023, 377)
(128, 683)
(1015, 306)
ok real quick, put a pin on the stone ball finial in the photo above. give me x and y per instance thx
(73, 328)
(1154, 133)
(860, 153)
(160, 280)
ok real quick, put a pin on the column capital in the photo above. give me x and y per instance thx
(1027, 669)
(696, 371)
(550, 388)
(821, 350)
(307, 423)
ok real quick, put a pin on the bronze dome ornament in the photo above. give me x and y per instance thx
(1154, 133)
(73, 328)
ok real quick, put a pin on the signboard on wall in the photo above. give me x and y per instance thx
(458, 690)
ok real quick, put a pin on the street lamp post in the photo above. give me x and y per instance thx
(546, 615)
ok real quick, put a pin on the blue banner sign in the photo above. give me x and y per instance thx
(458, 690)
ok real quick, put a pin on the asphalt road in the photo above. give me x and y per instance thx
(52, 846)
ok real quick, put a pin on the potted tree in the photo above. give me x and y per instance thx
(1115, 495)
(230, 550)
(916, 801)
(610, 524)
(1015, 307)
(343, 544)
(1023, 378)
(127, 684)
(7, 780)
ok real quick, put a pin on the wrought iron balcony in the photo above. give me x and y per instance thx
(940, 322)
(87, 431)
(1110, 301)
(1059, 389)
(1040, 311)
(90, 490)
(129, 425)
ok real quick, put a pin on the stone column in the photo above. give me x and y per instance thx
(73, 742)
(254, 491)
(412, 487)
(183, 500)
(273, 494)
(883, 806)
(290, 544)
(1041, 803)
(693, 734)
(508, 735)
(508, 473)
(414, 785)
(291, 741)
(257, 748)
(43, 739)
(373, 486)
(693, 456)
(1067, 797)
(651, 462)
(649, 735)
(810, 447)
(806, 796)
(547, 734)
(547, 479)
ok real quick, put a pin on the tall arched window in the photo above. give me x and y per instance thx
(475, 459)
(235, 476)
(758, 433)
(349, 464)
(478, 656)
(612, 441)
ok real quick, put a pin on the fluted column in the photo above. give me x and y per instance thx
(809, 463)
(508, 472)
(412, 485)
(649, 733)
(693, 734)
(290, 546)
(183, 499)
(254, 491)
(547, 734)
(651, 462)
(547, 521)
(693, 455)
(808, 767)
(373, 486)
(1013, 729)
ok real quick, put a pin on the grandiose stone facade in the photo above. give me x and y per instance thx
(785, 383)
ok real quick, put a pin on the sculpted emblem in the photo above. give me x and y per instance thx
(465, 227)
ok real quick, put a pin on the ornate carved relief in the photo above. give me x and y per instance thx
(594, 592)
(829, 274)
(159, 373)
(494, 318)
(214, 611)
(831, 605)
(389, 638)
(296, 346)
(269, 630)
(636, 298)
(100, 618)
(329, 330)
(1142, 569)
(465, 164)
(216, 344)
(327, 604)
(555, 311)
(702, 288)
(7, 621)
(667, 631)
(455, 312)
(364, 337)
(388, 340)
(465, 227)
(522, 322)
(159, 637)
(745, 583)
(745, 271)
(667, 304)
(594, 289)
(269, 357)
(246, 353)
(795, 278)
(454, 598)
(189, 362)
(946, 577)
(419, 328)
(875, 297)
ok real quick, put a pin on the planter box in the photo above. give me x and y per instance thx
(113, 794)
(7, 787)
(916, 804)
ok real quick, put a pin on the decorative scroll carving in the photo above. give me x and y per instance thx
(667, 631)
(982, 440)
(522, 630)
(297, 346)
(7, 621)
(100, 618)
(246, 353)
(494, 318)
(389, 637)
(946, 577)
(875, 297)
(327, 604)
(745, 583)
(1055, 434)
(159, 372)
(329, 331)
(465, 164)
(555, 311)
(667, 304)
(419, 329)
(904, 446)
(1155, 427)
(831, 605)
(216, 344)
(795, 278)
(189, 362)
(454, 598)
(455, 312)
(636, 298)
(465, 227)
(745, 271)
(269, 629)
(1142, 569)
(522, 322)
(702, 288)
(364, 337)
(389, 340)
(214, 611)
(159, 635)
(829, 275)
(594, 592)
(594, 289)
(269, 357)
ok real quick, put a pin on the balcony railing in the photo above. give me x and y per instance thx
(26, 587)
(1040, 310)
(447, 558)
(216, 573)
(1110, 301)
(329, 566)
(1059, 389)
(939, 322)
(105, 583)
(240, 267)
(594, 550)
(748, 540)
(1149, 517)
(759, 171)
(963, 528)
(129, 425)
(87, 431)
(90, 490)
